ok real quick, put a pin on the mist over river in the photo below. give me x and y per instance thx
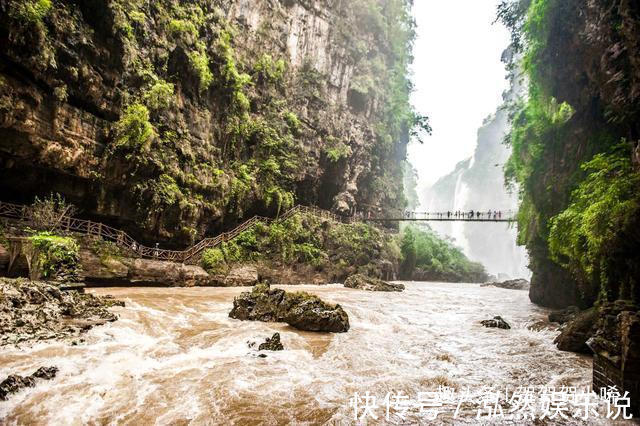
(175, 357)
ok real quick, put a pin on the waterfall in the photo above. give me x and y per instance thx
(478, 184)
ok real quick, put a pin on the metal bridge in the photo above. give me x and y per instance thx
(450, 216)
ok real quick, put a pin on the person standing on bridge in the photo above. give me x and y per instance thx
(499, 214)
(448, 215)
(478, 214)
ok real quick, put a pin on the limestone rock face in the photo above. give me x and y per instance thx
(58, 126)
(577, 331)
(300, 310)
(616, 348)
(564, 315)
(362, 282)
(123, 270)
(238, 276)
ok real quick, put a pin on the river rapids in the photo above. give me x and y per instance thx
(175, 357)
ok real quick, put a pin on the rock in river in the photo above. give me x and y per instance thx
(16, 383)
(300, 310)
(272, 344)
(364, 282)
(496, 322)
(577, 331)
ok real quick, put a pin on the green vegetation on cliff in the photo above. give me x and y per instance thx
(57, 256)
(334, 250)
(574, 140)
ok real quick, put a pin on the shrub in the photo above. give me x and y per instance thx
(270, 70)
(337, 151)
(134, 130)
(200, 63)
(160, 95)
(32, 11)
(47, 213)
(213, 260)
(57, 256)
(182, 26)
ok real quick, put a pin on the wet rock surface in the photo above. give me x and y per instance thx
(564, 315)
(576, 332)
(517, 284)
(32, 311)
(238, 276)
(300, 310)
(363, 282)
(272, 344)
(15, 383)
(496, 322)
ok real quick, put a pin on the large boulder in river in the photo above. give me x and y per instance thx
(300, 310)
(363, 282)
(577, 331)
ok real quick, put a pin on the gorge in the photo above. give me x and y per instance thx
(235, 171)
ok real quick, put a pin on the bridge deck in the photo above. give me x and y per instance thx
(435, 219)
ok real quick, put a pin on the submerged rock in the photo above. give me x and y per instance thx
(363, 282)
(564, 315)
(517, 284)
(577, 331)
(300, 310)
(15, 383)
(32, 311)
(496, 322)
(272, 344)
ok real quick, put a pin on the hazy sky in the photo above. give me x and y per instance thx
(458, 79)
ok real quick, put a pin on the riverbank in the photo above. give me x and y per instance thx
(175, 355)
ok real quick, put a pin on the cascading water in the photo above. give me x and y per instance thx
(478, 184)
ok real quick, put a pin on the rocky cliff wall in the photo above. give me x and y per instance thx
(174, 119)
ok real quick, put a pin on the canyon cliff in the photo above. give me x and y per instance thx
(175, 119)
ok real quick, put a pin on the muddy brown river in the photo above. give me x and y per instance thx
(175, 357)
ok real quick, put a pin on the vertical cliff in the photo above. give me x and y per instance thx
(173, 119)
(575, 144)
